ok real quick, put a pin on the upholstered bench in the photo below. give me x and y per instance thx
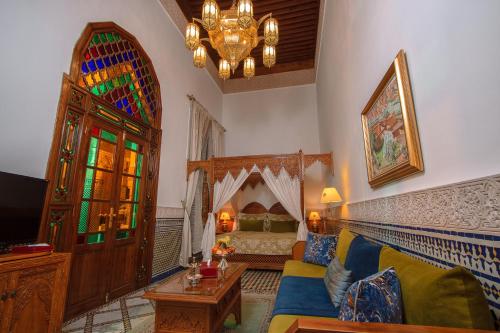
(431, 296)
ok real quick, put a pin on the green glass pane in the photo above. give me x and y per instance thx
(117, 37)
(139, 104)
(110, 37)
(135, 96)
(108, 136)
(122, 80)
(92, 151)
(131, 86)
(127, 78)
(84, 214)
(103, 38)
(102, 88)
(131, 145)
(110, 85)
(136, 190)
(139, 165)
(122, 234)
(134, 216)
(116, 83)
(95, 39)
(87, 185)
(95, 238)
(95, 91)
(143, 115)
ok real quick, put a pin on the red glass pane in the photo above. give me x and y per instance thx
(95, 131)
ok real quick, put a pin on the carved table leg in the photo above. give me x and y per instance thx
(237, 309)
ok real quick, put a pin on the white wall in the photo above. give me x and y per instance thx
(260, 193)
(37, 42)
(273, 121)
(453, 52)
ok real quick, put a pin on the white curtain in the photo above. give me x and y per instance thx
(236, 209)
(199, 124)
(223, 191)
(287, 191)
(217, 139)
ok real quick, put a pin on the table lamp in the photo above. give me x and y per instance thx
(330, 195)
(314, 217)
(224, 217)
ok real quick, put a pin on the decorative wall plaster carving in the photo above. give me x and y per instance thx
(468, 206)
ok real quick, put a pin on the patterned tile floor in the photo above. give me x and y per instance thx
(131, 312)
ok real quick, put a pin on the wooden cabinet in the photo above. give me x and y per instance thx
(33, 292)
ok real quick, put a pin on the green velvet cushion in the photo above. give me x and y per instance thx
(282, 226)
(434, 296)
(343, 244)
(251, 225)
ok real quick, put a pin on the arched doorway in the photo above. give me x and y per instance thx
(103, 167)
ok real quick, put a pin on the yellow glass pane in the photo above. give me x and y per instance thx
(80, 82)
(133, 76)
(124, 70)
(104, 75)
(124, 216)
(129, 162)
(99, 216)
(89, 80)
(97, 77)
(102, 185)
(127, 188)
(111, 72)
(106, 155)
(129, 68)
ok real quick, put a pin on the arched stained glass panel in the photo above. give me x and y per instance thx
(113, 68)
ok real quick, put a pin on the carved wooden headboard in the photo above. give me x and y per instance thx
(278, 209)
(257, 208)
(254, 208)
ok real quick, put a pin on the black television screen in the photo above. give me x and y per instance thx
(21, 206)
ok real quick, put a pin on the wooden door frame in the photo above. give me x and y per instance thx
(60, 217)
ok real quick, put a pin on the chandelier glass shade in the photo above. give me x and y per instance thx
(200, 56)
(234, 34)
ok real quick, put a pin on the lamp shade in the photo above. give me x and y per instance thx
(224, 216)
(330, 195)
(313, 216)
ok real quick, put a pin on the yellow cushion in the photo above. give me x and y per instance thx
(345, 239)
(300, 268)
(438, 297)
(280, 323)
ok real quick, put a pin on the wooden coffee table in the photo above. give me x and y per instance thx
(181, 307)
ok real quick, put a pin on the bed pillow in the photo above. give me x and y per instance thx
(337, 279)
(320, 249)
(374, 299)
(251, 225)
(282, 226)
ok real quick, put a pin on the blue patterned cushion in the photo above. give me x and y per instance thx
(337, 279)
(374, 299)
(320, 249)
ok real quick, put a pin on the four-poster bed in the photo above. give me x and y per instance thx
(283, 174)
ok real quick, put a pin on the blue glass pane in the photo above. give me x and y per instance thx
(107, 62)
(85, 69)
(92, 66)
(100, 64)
(129, 110)
(113, 60)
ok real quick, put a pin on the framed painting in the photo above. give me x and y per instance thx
(392, 144)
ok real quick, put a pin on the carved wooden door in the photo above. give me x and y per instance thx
(111, 181)
(4, 299)
(32, 300)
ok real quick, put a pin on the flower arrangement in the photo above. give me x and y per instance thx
(222, 247)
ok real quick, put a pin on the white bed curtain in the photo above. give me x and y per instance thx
(223, 191)
(236, 209)
(199, 124)
(287, 191)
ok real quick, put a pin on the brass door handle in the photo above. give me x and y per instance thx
(111, 217)
(4, 296)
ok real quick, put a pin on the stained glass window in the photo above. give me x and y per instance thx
(114, 69)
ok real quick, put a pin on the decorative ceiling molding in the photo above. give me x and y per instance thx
(260, 82)
(279, 80)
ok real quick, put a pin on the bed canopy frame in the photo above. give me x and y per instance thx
(295, 164)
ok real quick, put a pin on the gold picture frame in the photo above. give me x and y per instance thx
(392, 144)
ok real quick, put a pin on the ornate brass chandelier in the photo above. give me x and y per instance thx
(234, 34)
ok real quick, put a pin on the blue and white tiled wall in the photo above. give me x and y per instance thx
(457, 224)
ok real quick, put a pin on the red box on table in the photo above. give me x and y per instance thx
(209, 271)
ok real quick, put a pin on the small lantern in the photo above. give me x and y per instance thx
(192, 36)
(249, 67)
(245, 13)
(200, 56)
(269, 56)
(271, 34)
(210, 14)
(224, 69)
